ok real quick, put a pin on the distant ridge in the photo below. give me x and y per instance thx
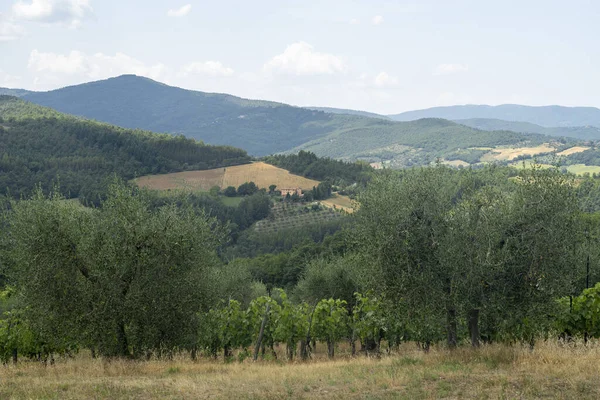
(489, 124)
(264, 127)
(349, 112)
(546, 116)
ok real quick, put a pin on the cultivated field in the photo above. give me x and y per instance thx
(581, 169)
(340, 202)
(495, 372)
(510, 153)
(456, 163)
(260, 173)
(572, 150)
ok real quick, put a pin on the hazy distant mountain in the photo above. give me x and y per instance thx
(547, 116)
(578, 132)
(263, 127)
(13, 92)
(260, 127)
(349, 112)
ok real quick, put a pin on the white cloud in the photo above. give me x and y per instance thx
(383, 79)
(301, 59)
(377, 20)
(8, 80)
(96, 66)
(69, 12)
(9, 30)
(449, 69)
(180, 12)
(212, 68)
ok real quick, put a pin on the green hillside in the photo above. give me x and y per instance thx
(262, 127)
(410, 143)
(490, 124)
(40, 146)
(332, 110)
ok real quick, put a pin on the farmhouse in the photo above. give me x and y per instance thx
(291, 192)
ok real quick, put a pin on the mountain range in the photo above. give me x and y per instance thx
(263, 127)
(546, 116)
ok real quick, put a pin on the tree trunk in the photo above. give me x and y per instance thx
(122, 346)
(353, 345)
(194, 354)
(304, 350)
(330, 348)
(261, 332)
(227, 352)
(291, 350)
(15, 355)
(474, 327)
(451, 322)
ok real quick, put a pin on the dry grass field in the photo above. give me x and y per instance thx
(456, 163)
(492, 372)
(260, 173)
(340, 202)
(509, 153)
(572, 150)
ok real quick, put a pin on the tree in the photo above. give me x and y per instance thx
(247, 189)
(122, 279)
(272, 188)
(230, 191)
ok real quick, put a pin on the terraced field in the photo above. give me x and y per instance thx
(287, 215)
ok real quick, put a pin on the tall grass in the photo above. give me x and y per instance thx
(551, 370)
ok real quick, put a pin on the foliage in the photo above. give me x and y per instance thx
(122, 279)
(309, 165)
(82, 155)
(580, 315)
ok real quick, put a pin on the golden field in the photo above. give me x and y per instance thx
(262, 174)
(509, 153)
(492, 372)
(572, 150)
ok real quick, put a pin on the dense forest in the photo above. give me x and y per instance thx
(40, 146)
(434, 255)
(309, 165)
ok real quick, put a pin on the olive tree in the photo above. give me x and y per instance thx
(123, 279)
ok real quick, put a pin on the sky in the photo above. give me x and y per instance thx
(379, 56)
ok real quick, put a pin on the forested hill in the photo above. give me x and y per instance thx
(260, 127)
(490, 124)
(40, 146)
(548, 116)
(410, 143)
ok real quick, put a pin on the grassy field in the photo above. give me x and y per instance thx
(456, 163)
(494, 372)
(510, 153)
(260, 173)
(572, 150)
(340, 202)
(231, 201)
(581, 169)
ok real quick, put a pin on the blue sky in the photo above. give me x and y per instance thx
(381, 56)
